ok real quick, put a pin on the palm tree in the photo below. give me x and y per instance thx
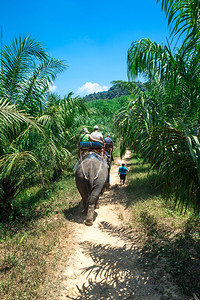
(162, 124)
(17, 164)
(24, 83)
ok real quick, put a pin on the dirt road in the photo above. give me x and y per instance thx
(105, 260)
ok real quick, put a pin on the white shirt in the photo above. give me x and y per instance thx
(97, 135)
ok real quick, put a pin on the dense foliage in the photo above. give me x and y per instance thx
(35, 126)
(162, 123)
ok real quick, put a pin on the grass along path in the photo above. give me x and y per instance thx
(30, 246)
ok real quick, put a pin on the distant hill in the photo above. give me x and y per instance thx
(114, 92)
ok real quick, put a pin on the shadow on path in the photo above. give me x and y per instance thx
(117, 272)
(76, 215)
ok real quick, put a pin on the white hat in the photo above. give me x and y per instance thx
(85, 130)
(96, 127)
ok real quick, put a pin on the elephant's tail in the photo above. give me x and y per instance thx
(91, 175)
(90, 182)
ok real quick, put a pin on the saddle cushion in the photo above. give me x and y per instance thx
(86, 145)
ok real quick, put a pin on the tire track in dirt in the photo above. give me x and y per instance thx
(106, 261)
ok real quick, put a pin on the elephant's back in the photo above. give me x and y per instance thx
(90, 166)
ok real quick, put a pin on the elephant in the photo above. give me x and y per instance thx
(91, 175)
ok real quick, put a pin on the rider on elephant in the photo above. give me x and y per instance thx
(97, 135)
(109, 146)
(85, 139)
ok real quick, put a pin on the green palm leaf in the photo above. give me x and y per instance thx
(183, 16)
(18, 60)
(27, 72)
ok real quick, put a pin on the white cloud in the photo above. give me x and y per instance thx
(90, 88)
(52, 87)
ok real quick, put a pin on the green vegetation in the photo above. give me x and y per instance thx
(102, 113)
(36, 127)
(168, 239)
(28, 243)
(162, 123)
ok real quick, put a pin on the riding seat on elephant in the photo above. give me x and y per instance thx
(87, 147)
(91, 175)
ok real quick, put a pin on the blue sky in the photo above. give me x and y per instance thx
(92, 37)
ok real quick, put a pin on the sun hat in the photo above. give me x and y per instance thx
(85, 130)
(96, 127)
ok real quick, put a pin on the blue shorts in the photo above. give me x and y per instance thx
(85, 144)
(91, 145)
(97, 145)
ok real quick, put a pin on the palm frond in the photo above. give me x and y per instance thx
(18, 61)
(183, 17)
(148, 58)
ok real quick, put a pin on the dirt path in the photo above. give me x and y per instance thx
(106, 262)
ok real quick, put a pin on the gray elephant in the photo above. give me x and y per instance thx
(91, 175)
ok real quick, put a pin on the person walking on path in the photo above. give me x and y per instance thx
(122, 173)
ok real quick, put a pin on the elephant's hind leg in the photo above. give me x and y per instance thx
(90, 215)
(85, 207)
(97, 205)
